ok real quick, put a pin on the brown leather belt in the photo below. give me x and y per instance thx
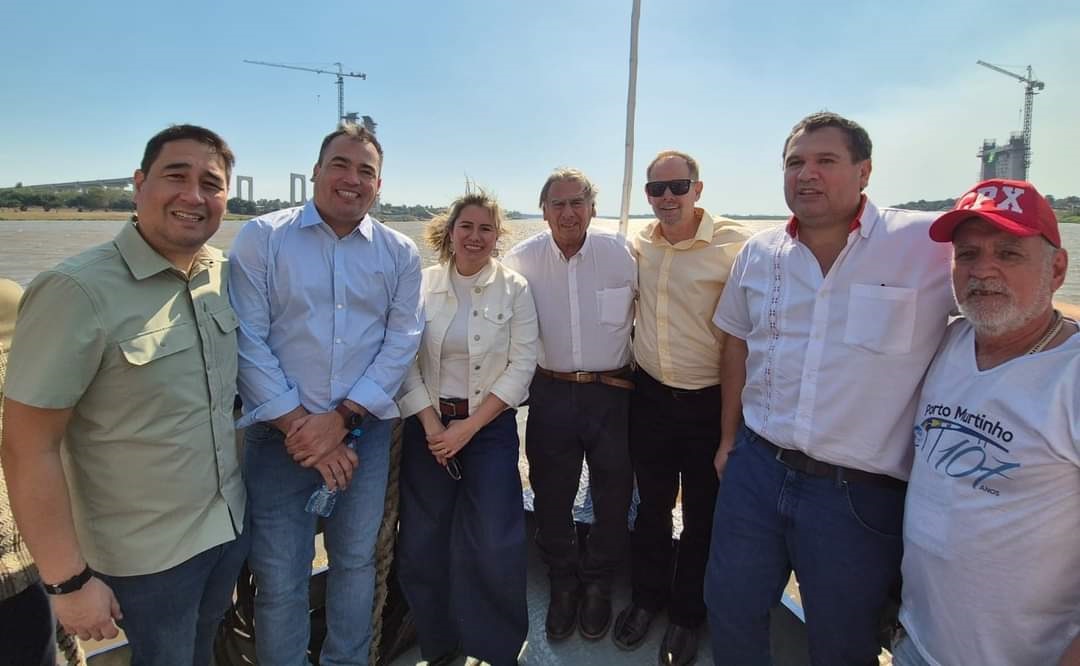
(800, 462)
(610, 377)
(455, 409)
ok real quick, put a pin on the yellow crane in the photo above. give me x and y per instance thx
(1031, 88)
(340, 74)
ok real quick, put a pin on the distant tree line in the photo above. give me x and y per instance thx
(103, 198)
(387, 211)
(1068, 205)
(93, 198)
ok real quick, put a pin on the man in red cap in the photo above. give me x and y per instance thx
(996, 476)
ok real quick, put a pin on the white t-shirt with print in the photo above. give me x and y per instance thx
(992, 523)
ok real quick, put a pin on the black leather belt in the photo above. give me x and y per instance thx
(645, 379)
(800, 462)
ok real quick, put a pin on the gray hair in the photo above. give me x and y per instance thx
(574, 175)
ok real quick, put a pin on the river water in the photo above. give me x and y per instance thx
(29, 247)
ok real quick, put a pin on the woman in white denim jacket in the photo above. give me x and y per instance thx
(461, 542)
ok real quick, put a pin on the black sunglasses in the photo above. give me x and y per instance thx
(655, 188)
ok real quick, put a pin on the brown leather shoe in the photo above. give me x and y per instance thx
(594, 617)
(631, 627)
(562, 613)
(679, 647)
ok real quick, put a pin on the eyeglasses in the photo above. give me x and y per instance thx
(655, 188)
(453, 468)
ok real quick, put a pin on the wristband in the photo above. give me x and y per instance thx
(72, 584)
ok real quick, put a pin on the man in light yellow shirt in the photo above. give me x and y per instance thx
(118, 438)
(683, 257)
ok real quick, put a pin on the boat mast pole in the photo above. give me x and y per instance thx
(631, 104)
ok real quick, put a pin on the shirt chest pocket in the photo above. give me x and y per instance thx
(152, 346)
(226, 320)
(494, 329)
(162, 361)
(881, 319)
(613, 305)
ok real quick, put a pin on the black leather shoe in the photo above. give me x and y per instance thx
(679, 647)
(594, 618)
(631, 627)
(562, 614)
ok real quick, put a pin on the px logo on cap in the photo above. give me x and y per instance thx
(1014, 206)
(1006, 197)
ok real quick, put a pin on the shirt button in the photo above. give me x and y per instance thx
(337, 341)
(500, 316)
(476, 337)
(476, 290)
(339, 306)
(474, 313)
(476, 392)
(476, 367)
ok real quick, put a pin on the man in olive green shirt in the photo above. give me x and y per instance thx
(118, 433)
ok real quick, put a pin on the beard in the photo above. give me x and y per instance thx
(992, 308)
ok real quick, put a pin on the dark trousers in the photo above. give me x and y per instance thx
(673, 435)
(569, 423)
(26, 629)
(461, 544)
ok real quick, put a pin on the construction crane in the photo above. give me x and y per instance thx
(340, 74)
(1031, 87)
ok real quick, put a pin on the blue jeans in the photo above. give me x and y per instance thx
(283, 545)
(171, 617)
(461, 545)
(842, 539)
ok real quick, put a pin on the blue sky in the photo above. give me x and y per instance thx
(504, 91)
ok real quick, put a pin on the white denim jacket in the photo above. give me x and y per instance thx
(503, 338)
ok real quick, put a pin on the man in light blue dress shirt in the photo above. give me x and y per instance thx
(329, 303)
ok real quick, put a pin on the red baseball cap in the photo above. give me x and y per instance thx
(1014, 206)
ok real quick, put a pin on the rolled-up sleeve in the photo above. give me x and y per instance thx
(414, 393)
(264, 388)
(512, 386)
(404, 325)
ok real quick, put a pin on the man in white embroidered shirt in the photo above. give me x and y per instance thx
(832, 321)
(328, 300)
(583, 283)
(996, 475)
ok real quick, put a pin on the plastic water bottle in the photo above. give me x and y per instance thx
(321, 502)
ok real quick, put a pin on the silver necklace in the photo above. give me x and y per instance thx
(1055, 328)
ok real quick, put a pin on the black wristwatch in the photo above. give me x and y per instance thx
(71, 584)
(352, 419)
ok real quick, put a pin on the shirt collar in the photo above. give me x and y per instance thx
(793, 224)
(703, 234)
(582, 251)
(144, 261)
(441, 280)
(310, 217)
